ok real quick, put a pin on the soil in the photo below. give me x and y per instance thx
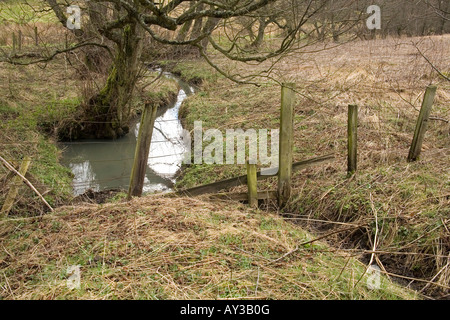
(98, 197)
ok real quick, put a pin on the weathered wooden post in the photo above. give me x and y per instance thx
(422, 123)
(142, 151)
(14, 190)
(12, 169)
(14, 43)
(20, 40)
(36, 39)
(352, 139)
(252, 185)
(286, 142)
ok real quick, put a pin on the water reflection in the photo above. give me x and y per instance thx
(106, 164)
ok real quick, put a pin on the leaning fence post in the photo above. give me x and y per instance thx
(12, 169)
(286, 142)
(14, 190)
(422, 123)
(142, 151)
(352, 138)
(252, 185)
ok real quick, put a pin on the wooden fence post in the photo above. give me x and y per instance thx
(36, 39)
(14, 190)
(142, 151)
(240, 180)
(422, 124)
(20, 40)
(352, 138)
(286, 142)
(12, 169)
(252, 185)
(14, 42)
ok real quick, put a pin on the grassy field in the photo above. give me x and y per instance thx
(409, 202)
(198, 248)
(156, 248)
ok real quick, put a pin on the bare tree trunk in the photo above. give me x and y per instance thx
(185, 28)
(260, 37)
(320, 30)
(444, 19)
(184, 31)
(210, 24)
(94, 58)
(110, 108)
(198, 24)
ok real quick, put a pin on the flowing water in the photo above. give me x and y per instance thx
(106, 164)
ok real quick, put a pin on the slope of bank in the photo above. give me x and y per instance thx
(189, 248)
(403, 208)
(179, 248)
(35, 104)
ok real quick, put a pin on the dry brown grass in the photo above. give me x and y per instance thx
(192, 249)
(386, 79)
(178, 248)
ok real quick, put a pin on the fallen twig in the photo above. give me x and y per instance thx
(10, 167)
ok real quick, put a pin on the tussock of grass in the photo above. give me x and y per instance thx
(179, 248)
(35, 102)
(160, 92)
(193, 72)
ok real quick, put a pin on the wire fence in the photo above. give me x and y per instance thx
(94, 183)
(102, 160)
(299, 123)
(338, 121)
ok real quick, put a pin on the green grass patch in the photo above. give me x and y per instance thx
(25, 12)
(161, 255)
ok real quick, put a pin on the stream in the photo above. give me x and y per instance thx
(106, 164)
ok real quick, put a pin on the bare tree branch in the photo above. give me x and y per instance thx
(431, 64)
(13, 60)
